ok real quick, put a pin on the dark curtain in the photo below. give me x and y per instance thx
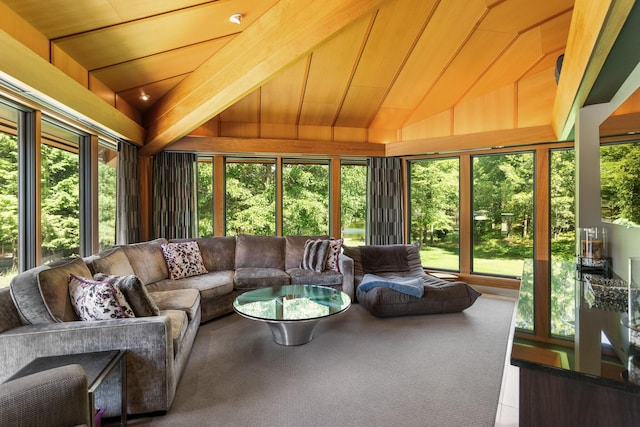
(174, 203)
(384, 201)
(127, 195)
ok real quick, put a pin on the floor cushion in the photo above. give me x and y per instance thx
(439, 297)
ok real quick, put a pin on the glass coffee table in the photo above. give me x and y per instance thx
(292, 311)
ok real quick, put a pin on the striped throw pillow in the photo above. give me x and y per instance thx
(315, 255)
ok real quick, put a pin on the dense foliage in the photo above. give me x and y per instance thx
(620, 182)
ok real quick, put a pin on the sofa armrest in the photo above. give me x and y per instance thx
(150, 358)
(345, 264)
(59, 394)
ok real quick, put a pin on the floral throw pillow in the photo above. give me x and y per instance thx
(335, 247)
(183, 259)
(93, 300)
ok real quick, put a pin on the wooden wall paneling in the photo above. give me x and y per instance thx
(536, 94)
(240, 129)
(631, 105)
(438, 125)
(331, 69)
(555, 32)
(281, 97)
(621, 124)
(350, 134)
(70, 20)
(16, 27)
(209, 128)
(515, 16)
(492, 111)
(129, 10)
(102, 90)
(315, 133)
(38, 74)
(69, 66)
(127, 109)
(243, 64)
(520, 56)
(425, 65)
(383, 136)
(246, 110)
(335, 219)
(478, 53)
(278, 131)
(594, 29)
(161, 66)
(155, 34)
(155, 91)
(405, 20)
(219, 205)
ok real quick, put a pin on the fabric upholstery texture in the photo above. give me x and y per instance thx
(295, 248)
(384, 258)
(218, 253)
(111, 261)
(300, 276)
(315, 254)
(95, 300)
(9, 317)
(134, 291)
(251, 278)
(183, 259)
(147, 260)
(270, 248)
(335, 247)
(54, 288)
(53, 398)
(187, 300)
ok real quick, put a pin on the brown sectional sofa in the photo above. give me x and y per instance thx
(36, 317)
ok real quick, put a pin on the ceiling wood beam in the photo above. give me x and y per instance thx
(63, 92)
(594, 29)
(277, 147)
(288, 31)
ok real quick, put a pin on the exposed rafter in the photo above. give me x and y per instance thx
(281, 36)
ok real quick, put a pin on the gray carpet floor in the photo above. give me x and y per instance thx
(438, 370)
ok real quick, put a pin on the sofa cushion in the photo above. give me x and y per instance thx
(384, 258)
(353, 252)
(54, 288)
(260, 252)
(183, 259)
(295, 248)
(179, 323)
(218, 253)
(300, 276)
(147, 260)
(315, 254)
(95, 300)
(439, 297)
(252, 278)
(111, 261)
(211, 285)
(187, 300)
(134, 291)
(335, 247)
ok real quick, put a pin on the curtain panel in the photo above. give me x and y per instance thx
(127, 195)
(384, 201)
(174, 203)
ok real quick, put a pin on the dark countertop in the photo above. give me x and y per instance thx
(599, 349)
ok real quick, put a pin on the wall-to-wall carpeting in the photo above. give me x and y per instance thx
(439, 370)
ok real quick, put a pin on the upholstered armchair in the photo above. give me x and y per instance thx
(57, 397)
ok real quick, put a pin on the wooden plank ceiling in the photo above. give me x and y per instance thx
(385, 66)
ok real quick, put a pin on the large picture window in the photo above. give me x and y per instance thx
(107, 173)
(250, 197)
(205, 197)
(305, 198)
(8, 194)
(434, 211)
(353, 202)
(60, 192)
(503, 206)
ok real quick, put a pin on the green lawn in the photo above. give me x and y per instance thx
(440, 258)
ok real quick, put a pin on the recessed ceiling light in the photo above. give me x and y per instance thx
(144, 97)
(236, 18)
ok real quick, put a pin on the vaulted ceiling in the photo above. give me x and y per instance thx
(378, 65)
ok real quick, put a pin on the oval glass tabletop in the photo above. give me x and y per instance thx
(291, 303)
